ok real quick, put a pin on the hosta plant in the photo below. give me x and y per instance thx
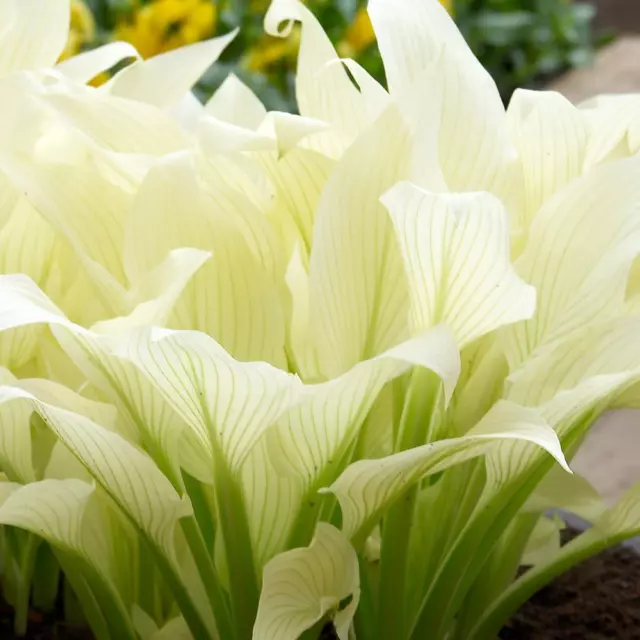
(269, 375)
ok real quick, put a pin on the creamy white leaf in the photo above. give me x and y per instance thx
(301, 586)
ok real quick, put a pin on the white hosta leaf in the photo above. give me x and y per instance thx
(119, 124)
(18, 347)
(69, 515)
(15, 438)
(147, 629)
(149, 418)
(158, 291)
(51, 101)
(484, 368)
(27, 246)
(217, 137)
(324, 90)
(376, 98)
(9, 197)
(127, 474)
(544, 542)
(27, 243)
(52, 509)
(191, 456)
(63, 465)
(33, 33)
(511, 459)
(417, 37)
(172, 210)
(152, 299)
(456, 254)
(278, 131)
(54, 364)
(66, 203)
(551, 137)
(23, 93)
(301, 347)
(618, 523)
(615, 128)
(288, 129)
(72, 516)
(357, 286)
(163, 80)
(581, 245)
(629, 398)
(148, 415)
(83, 302)
(218, 192)
(601, 350)
(306, 446)
(175, 629)
(87, 65)
(565, 410)
(188, 112)
(235, 103)
(298, 179)
(223, 178)
(567, 491)
(23, 303)
(633, 289)
(144, 624)
(376, 439)
(589, 369)
(272, 501)
(7, 488)
(310, 438)
(367, 488)
(405, 58)
(56, 394)
(226, 402)
(623, 519)
(302, 586)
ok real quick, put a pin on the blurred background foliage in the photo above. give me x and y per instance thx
(523, 43)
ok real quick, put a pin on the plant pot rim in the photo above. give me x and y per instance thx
(574, 521)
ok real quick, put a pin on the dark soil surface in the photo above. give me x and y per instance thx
(41, 627)
(598, 600)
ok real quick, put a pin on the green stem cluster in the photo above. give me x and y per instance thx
(417, 426)
(243, 579)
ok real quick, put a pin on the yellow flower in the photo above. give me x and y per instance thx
(82, 29)
(163, 25)
(358, 36)
(448, 5)
(99, 80)
(270, 50)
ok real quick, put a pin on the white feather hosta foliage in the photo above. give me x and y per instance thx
(312, 366)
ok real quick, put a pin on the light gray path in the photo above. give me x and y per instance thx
(610, 458)
(616, 69)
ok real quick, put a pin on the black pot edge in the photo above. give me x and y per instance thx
(580, 524)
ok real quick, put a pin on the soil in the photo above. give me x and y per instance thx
(42, 626)
(597, 600)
